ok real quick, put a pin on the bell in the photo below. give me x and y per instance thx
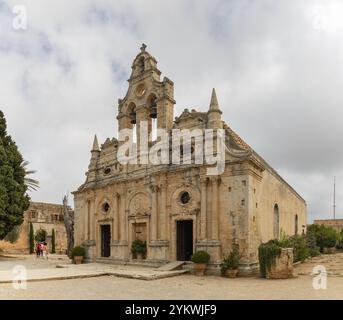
(153, 113)
(133, 117)
(153, 109)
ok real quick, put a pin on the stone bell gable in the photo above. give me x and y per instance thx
(178, 208)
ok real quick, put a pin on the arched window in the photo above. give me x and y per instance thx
(296, 224)
(152, 105)
(276, 222)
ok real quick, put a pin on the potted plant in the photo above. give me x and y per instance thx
(200, 260)
(78, 253)
(229, 266)
(138, 249)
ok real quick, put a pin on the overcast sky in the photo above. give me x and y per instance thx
(276, 65)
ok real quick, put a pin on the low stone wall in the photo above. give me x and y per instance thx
(283, 268)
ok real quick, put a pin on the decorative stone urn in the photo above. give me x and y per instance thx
(231, 273)
(199, 269)
(283, 268)
(78, 259)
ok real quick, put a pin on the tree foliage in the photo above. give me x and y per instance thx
(31, 239)
(325, 237)
(13, 235)
(13, 197)
(40, 235)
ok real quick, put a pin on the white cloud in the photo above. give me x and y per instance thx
(278, 80)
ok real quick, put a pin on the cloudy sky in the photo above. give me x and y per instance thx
(277, 67)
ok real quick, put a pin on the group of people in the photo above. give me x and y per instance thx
(42, 250)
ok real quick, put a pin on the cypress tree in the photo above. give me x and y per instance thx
(13, 197)
(32, 239)
(53, 249)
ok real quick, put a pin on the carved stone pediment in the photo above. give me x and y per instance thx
(139, 206)
(192, 212)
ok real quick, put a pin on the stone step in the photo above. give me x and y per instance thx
(174, 265)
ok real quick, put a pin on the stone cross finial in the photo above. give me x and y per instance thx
(143, 47)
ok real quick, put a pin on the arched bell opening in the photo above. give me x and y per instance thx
(152, 108)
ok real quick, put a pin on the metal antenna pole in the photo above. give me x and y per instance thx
(334, 198)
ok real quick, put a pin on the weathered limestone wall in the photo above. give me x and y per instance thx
(237, 207)
(271, 191)
(45, 218)
(333, 223)
(264, 195)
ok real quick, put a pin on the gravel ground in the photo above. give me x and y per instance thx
(180, 288)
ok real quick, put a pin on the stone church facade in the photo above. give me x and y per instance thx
(178, 208)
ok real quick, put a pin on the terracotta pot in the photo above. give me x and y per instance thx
(199, 269)
(231, 273)
(139, 256)
(78, 259)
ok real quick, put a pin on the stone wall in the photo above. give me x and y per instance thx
(283, 268)
(45, 216)
(333, 223)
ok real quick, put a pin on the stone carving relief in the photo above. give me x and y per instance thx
(139, 205)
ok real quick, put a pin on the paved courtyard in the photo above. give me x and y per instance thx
(178, 287)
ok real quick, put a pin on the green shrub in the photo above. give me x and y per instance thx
(284, 241)
(313, 252)
(78, 251)
(267, 254)
(325, 237)
(231, 262)
(138, 246)
(40, 235)
(298, 243)
(339, 244)
(200, 257)
(300, 249)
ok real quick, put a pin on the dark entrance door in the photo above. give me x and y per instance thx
(105, 240)
(184, 240)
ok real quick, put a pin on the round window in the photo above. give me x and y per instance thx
(185, 197)
(105, 207)
(107, 171)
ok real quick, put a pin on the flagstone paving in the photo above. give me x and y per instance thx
(102, 281)
(333, 264)
(52, 269)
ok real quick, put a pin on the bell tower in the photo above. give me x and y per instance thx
(148, 98)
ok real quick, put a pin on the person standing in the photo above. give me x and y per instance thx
(37, 249)
(41, 249)
(45, 250)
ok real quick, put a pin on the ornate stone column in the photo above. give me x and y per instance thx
(215, 213)
(119, 243)
(92, 224)
(153, 217)
(86, 222)
(122, 219)
(163, 223)
(89, 242)
(203, 208)
(157, 248)
(115, 225)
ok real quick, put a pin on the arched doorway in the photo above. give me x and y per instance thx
(184, 240)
